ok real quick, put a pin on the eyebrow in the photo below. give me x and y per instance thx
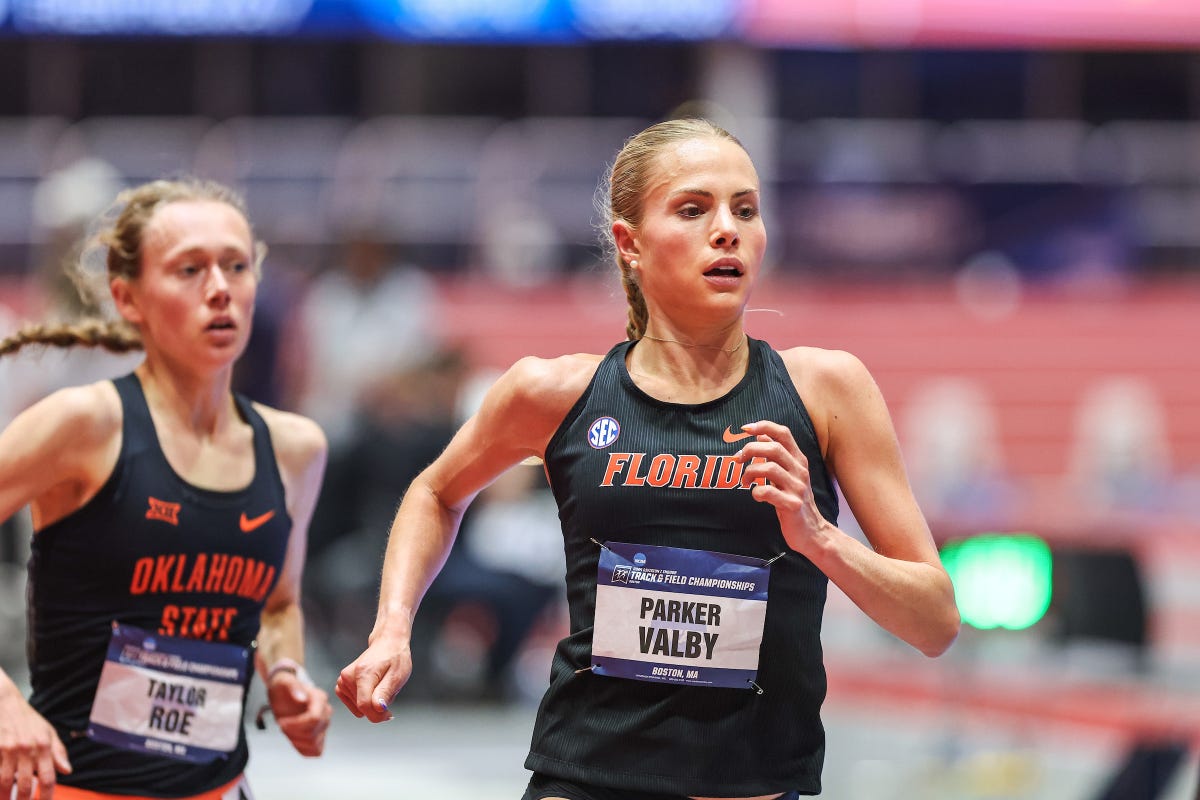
(224, 251)
(708, 194)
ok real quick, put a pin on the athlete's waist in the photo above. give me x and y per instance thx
(234, 790)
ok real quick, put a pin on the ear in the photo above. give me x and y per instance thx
(124, 299)
(626, 241)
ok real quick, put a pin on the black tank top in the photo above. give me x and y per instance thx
(151, 551)
(644, 736)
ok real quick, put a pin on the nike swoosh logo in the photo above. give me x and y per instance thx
(732, 437)
(247, 524)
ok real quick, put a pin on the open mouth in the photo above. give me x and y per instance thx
(724, 271)
(221, 325)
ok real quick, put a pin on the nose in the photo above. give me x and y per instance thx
(216, 288)
(724, 231)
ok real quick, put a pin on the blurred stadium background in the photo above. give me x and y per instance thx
(995, 205)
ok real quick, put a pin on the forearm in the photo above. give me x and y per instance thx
(281, 635)
(8, 689)
(419, 542)
(912, 600)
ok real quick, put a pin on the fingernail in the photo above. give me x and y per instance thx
(382, 705)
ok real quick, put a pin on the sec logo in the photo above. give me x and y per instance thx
(603, 432)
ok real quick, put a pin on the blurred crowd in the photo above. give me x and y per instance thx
(349, 328)
(358, 347)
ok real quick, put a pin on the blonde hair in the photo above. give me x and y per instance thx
(120, 236)
(626, 183)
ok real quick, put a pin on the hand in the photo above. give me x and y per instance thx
(372, 681)
(29, 748)
(774, 456)
(301, 710)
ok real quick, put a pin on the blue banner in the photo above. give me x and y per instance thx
(557, 21)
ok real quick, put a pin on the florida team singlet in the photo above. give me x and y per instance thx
(155, 553)
(659, 477)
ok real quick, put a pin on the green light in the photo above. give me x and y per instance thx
(1000, 580)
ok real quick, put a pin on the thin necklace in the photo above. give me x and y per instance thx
(729, 350)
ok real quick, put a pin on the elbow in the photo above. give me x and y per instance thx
(942, 633)
(944, 623)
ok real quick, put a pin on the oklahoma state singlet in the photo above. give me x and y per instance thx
(154, 552)
(626, 467)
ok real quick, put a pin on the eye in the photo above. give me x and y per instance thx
(690, 211)
(747, 212)
(237, 266)
(187, 270)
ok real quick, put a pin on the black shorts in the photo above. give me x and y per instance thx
(541, 786)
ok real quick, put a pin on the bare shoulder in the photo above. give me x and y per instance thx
(835, 386)
(84, 416)
(299, 442)
(58, 452)
(826, 371)
(523, 409)
(548, 385)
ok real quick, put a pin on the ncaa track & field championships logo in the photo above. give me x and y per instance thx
(603, 432)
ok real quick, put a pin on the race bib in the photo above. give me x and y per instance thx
(168, 696)
(671, 615)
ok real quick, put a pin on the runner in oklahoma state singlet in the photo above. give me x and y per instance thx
(152, 552)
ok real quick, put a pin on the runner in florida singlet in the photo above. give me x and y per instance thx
(652, 480)
(154, 566)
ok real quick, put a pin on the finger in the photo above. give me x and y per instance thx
(773, 449)
(378, 711)
(374, 694)
(787, 477)
(310, 749)
(384, 694)
(46, 776)
(772, 496)
(771, 427)
(766, 427)
(318, 728)
(774, 432)
(24, 779)
(763, 447)
(347, 691)
(324, 712)
(59, 751)
(299, 731)
(308, 740)
(304, 746)
(317, 716)
(317, 711)
(7, 774)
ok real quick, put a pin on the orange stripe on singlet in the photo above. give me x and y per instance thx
(71, 793)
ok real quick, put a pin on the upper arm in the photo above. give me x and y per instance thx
(301, 451)
(58, 452)
(863, 454)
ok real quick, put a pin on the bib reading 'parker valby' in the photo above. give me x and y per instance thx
(152, 553)
(627, 468)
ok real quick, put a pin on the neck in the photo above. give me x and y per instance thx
(202, 403)
(729, 350)
(681, 371)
